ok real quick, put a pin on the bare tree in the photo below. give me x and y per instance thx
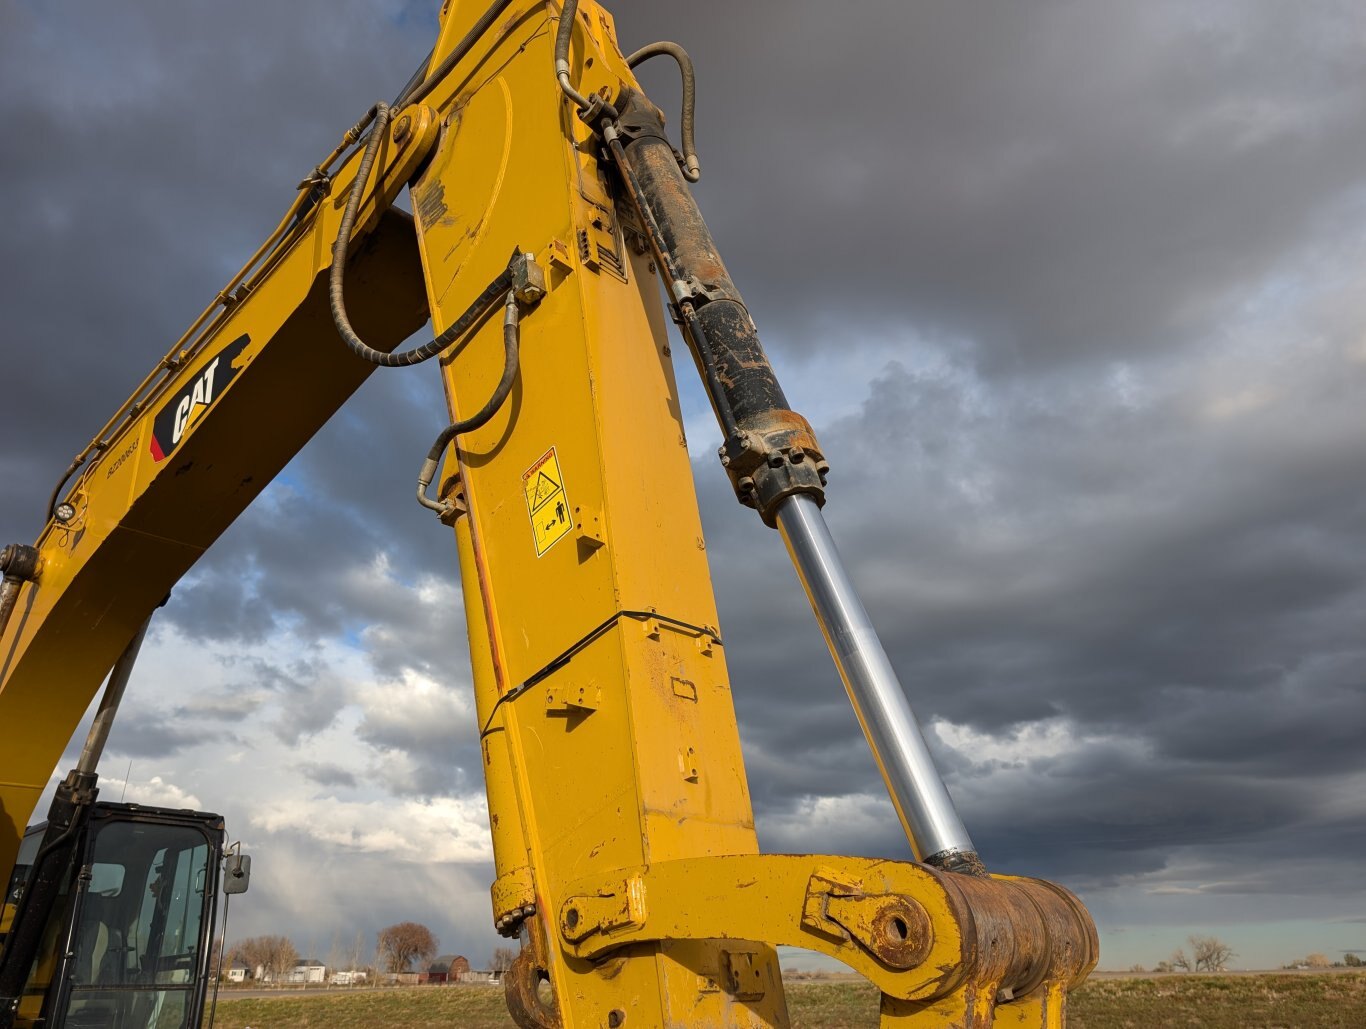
(401, 944)
(334, 953)
(1211, 953)
(357, 957)
(502, 959)
(268, 956)
(250, 953)
(1351, 960)
(1178, 961)
(281, 956)
(1318, 961)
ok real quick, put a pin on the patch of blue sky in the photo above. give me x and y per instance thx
(418, 18)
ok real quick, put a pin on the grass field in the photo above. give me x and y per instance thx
(1271, 1001)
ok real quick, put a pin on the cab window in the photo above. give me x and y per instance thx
(138, 939)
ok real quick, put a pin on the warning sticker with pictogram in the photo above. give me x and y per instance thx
(546, 502)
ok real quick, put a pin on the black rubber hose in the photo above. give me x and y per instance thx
(485, 22)
(562, 36)
(592, 107)
(512, 337)
(692, 170)
(410, 87)
(336, 289)
(53, 500)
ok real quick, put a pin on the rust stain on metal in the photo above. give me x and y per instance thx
(1025, 933)
(901, 934)
(785, 429)
(523, 981)
(893, 928)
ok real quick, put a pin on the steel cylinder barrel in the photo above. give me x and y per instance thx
(19, 564)
(747, 379)
(9, 596)
(768, 450)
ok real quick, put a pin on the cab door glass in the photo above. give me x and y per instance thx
(137, 945)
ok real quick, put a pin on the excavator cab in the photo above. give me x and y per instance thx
(128, 941)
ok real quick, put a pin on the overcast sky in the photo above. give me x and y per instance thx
(1072, 292)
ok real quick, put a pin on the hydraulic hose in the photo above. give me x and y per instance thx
(410, 87)
(415, 93)
(591, 107)
(511, 356)
(336, 289)
(692, 170)
(568, 10)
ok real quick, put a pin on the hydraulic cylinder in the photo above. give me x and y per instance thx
(776, 466)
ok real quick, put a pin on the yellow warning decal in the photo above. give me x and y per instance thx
(546, 502)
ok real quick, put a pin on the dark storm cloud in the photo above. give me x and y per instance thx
(1041, 181)
(1097, 265)
(308, 710)
(149, 734)
(1142, 575)
(328, 775)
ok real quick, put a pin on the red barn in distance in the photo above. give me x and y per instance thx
(445, 969)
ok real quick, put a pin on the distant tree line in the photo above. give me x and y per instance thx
(398, 948)
(1211, 954)
(267, 956)
(1317, 960)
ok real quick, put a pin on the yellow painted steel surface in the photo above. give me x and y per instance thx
(628, 753)
(622, 826)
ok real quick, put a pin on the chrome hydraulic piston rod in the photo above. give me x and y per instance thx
(918, 793)
(776, 467)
